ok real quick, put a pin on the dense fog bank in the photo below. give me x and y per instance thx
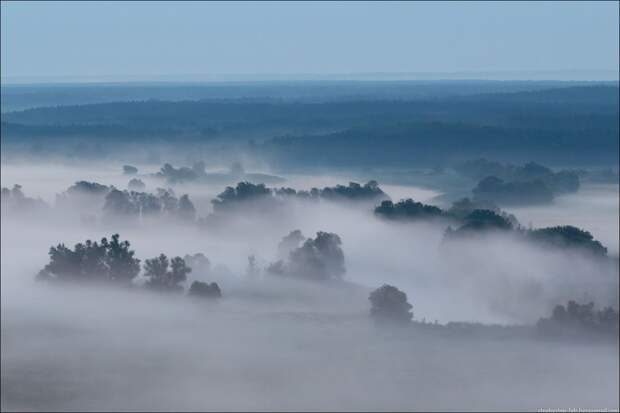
(276, 342)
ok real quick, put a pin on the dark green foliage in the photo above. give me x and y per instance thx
(105, 261)
(319, 259)
(407, 209)
(494, 189)
(164, 274)
(389, 304)
(568, 237)
(578, 318)
(204, 290)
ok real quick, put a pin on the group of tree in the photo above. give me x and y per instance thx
(578, 320)
(14, 201)
(113, 262)
(252, 199)
(133, 205)
(568, 236)
(459, 212)
(197, 173)
(470, 217)
(408, 209)
(507, 184)
(319, 259)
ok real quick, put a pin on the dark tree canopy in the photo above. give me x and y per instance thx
(407, 209)
(496, 190)
(569, 237)
(388, 303)
(164, 274)
(205, 290)
(105, 261)
(243, 192)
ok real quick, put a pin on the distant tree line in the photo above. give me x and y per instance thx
(576, 319)
(508, 184)
(475, 217)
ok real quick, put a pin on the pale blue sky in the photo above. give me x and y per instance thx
(151, 39)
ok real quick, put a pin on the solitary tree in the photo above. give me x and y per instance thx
(205, 290)
(388, 303)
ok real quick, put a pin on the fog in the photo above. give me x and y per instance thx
(277, 344)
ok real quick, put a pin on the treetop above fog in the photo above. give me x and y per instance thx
(319, 259)
(389, 304)
(104, 261)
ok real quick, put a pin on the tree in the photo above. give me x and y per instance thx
(407, 209)
(110, 261)
(186, 211)
(119, 205)
(568, 236)
(318, 259)
(198, 262)
(136, 184)
(388, 303)
(164, 274)
(580, 319)
(205, 290)
(290, 242)
(130, 170)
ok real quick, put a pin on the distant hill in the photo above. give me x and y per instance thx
(570, 125)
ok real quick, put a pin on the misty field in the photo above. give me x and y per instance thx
(273, 342)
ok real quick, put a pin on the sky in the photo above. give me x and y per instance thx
(145, 40)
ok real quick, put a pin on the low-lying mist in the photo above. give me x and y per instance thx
(273, 343)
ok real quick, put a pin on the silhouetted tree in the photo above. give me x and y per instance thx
(407, 209)
(569, 237)
(388, 303)
(164, 274)
(106, 261)
(204, 290)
